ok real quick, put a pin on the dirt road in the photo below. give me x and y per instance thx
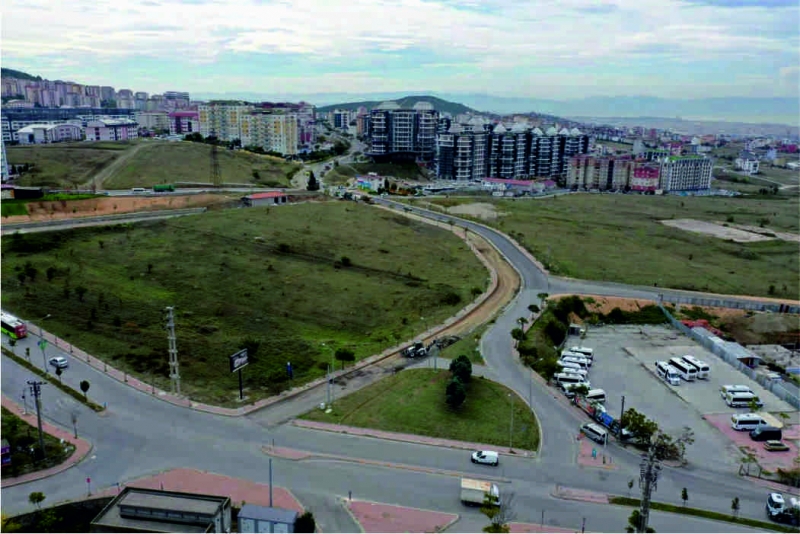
(109, 171)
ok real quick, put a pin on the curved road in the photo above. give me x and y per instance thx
(140, 435)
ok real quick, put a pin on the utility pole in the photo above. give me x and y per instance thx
(216, 176)
(36, 391)
(648, 479)
(621, 416)
(511, 426)
(174, 375)
(328, 377)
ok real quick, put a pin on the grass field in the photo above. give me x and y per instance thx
(413, 402)
(619, 238)
(280, 281)
(155, 162)
(401, 171)
(22, 435)
(64, 164)
(164, 162)
(468, 345)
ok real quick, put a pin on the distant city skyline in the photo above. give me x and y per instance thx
(558, 50)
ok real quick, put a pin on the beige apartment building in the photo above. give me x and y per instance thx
(275, 132)
(600, 173)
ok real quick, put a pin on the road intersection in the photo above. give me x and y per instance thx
(140, 434)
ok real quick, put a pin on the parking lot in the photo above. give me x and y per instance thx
(624, 364)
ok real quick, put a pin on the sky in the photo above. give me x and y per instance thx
(555, 49)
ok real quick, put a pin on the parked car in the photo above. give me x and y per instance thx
(766, 433)
(775, 445)
(59, 362)
(485, 457)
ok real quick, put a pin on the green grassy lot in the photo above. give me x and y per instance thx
(22, 435)
(275, 280)
(777, 174)
(165, 162)
(413, 402)
(619, 238)
(402, 171)
(64, 164)
(468, 345)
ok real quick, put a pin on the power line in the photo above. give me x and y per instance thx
(36, 391)
(174, 375)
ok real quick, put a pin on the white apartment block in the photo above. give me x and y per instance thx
(111, 130)
(686, 173)
(275, 132)
(37, 134)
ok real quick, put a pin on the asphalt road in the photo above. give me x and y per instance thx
(140, 435)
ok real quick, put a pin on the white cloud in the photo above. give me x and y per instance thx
(494, 35)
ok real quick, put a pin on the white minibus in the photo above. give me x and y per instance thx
(582, 362)
(685, 371)
(703, 370)
(596, 395)
(667, 373)
(747, 421)
(586, 351)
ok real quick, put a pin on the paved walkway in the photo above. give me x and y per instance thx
(572, 494)
(194, 481)
(82, 447)
(591, 454)
(409, 438)
(535, 527)
(378, 517)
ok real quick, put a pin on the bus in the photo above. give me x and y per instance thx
(13, 327)
(685, 370)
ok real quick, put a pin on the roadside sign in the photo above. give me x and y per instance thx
(42, 343)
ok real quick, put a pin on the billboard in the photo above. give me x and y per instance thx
(238, 360)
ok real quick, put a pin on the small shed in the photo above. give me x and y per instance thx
(271, 198)
(254, 518)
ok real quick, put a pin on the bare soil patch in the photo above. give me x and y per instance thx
(482, 210)
(716, 230)
(66, 209)
(785, 236)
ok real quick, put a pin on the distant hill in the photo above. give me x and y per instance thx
(18, 74)
(406, 102)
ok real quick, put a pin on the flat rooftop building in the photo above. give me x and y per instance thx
(146, 510)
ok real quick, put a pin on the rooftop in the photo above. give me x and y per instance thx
(270, 194)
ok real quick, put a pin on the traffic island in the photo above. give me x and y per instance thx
(378, 517)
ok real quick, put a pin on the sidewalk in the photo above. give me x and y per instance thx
(82, 447)
(409, 438)
(379, 517)
(571, 494)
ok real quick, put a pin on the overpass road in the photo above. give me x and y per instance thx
(140, 434)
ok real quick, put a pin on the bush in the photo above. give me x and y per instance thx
(461, 368)
(556, 332)
(305, 523)
(456, 394)
(451, 298)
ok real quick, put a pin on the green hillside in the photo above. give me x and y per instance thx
(18, 74)
(407, 102)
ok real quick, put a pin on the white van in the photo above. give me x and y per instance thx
(703, 370)
(667, 373)
(596, 395)
(139, 190)
(747, 421)
(566, 367)
(573, 354)
(563, 379)
(595, 432)
(685, 370)
(580, 360)
(586, 351)
(742, 400)
(724, 390)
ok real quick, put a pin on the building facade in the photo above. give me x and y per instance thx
(272, 131)
(36, 134)
(747, 162)
(685, 173)
(183, 122)
(223, 119)
(646, 177)
(403, 134)
(111, 130)
(599, 173)
(152, 120)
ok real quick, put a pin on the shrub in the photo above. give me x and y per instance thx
(456, 394)
(556, 332)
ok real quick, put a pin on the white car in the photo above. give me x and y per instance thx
(485, 457)
(59, 362)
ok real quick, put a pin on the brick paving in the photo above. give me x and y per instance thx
(769, 460)
(82, 447)
(536, 527)
(377, 517)
(572, 494)
(195, 481)
(409, 438)
(603, 458)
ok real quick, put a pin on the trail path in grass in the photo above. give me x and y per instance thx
(109, 171)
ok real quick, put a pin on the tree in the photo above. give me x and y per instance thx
(522, 321)
(80, 291)
(735, 507)
(313, 184)
(84, 387)
(36, 498)
(305, 523)
(455, 394)
(534, 309)
(21, 278)
(51, 273)
(640, 426)
(517, 335)
(31, 271)
(542, 298)
(499, 516)
(635, 523)
(461, 368)
(684, 496)
(345, 355)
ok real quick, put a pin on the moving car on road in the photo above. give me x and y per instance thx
(485, 457)
(59, 362)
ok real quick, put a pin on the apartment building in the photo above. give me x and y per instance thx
(403, 134)
(603, 173)
(685, 173)
(495, 151)
(646, 176)
(4, 171)
(183, 122)
(223, 119)
(272, 131)
(37, 134)
(747, 162)
(111, 130)
(152, 120)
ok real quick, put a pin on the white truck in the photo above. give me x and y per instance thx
(474, 491)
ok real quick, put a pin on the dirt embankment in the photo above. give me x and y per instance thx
(66, 209)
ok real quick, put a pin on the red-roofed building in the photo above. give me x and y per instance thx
(272, 198)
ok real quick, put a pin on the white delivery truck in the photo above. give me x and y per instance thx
(474, 491)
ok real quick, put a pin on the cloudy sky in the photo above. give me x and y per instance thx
(540, 49)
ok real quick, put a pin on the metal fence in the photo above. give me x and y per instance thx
(737, 304)
(720, 350)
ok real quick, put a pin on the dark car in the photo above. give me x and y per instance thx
(765, 433)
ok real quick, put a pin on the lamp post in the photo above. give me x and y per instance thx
(42, 342)
(511, 426)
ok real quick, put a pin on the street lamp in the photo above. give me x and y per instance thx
(511, 426)
(42, 342)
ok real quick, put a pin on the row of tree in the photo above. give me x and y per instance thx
(461, 374)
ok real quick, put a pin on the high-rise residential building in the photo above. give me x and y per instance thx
(4, 174)
(107, 93)
(685, 173)
(272, 131)
(223, 119)
(152, 120)
(183, 122)
(605, 173)
(125, 99)
(397, 134)
(645, 177)
(477, 150)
